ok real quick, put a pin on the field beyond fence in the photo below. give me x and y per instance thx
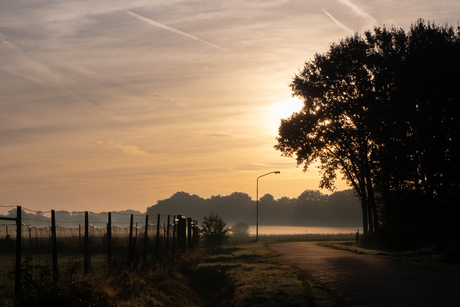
(71, 244)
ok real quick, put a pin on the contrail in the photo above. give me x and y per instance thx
(358, 11)
(338, 22)
(157, 24)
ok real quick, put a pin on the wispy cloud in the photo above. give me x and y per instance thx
(16, 62)
(261, 164)
(127, 149)
(358, 11)
(160, 25)
(103, 78)
(338, 22)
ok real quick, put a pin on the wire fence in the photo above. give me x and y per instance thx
(83, 241)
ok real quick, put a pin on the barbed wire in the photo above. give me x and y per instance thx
(46, 219)
(82, 212)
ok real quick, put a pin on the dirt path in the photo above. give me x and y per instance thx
(366, 280)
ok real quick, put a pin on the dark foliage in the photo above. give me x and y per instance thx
(312, 208)
(240, 229)
(382, 109)
(214, 231)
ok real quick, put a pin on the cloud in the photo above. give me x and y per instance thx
(17, 63)
(23, 136)
(338, 22)
(128, 149)
(119, 82)
(359, 12)
(260, 164)
(160, 25)
(132, 150)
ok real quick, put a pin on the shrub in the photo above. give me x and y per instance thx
(214, 231)
(240, 229)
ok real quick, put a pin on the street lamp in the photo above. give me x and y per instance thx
(257, 206)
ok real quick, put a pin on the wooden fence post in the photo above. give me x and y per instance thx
(18, 273)
(182, 233)
(167, 236)
(130, 242)
(196, 230)
(146, 237)
(87, 260)
(79, 236)
(174, 237)
(109, 241)
(135, 244)
(54, 246)
(157, 241)
(189, 232)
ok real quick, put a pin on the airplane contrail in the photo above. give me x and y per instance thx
(338, 22)
(160, 25)
(358, 11)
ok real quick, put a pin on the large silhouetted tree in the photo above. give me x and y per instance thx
(382, 110)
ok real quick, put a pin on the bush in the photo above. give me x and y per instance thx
(214, 231)
(240, 229)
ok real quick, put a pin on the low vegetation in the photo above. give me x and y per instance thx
(234, 274)
(227, 276)
(248, 280)
(214, 231)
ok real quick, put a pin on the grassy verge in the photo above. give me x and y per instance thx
(235, 275)
(246, 280)
(146, 285)
(431, 258)
(294, 238)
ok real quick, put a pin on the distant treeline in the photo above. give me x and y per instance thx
(311, 208)
(75, 218)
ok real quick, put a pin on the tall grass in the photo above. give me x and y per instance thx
(230, 276)
(146, 284)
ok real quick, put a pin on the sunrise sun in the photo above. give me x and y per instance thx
(282, 109)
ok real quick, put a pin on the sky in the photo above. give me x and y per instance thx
(114, 105)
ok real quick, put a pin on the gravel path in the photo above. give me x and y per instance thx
(367, 280)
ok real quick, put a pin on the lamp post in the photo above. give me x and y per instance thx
(257, 206)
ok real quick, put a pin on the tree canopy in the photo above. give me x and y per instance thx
(382, 109)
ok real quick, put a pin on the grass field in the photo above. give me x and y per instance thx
(247, 280)
(234, 275)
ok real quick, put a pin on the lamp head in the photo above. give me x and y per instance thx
(277, 172)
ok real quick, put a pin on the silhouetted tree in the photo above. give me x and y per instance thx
(180, 203)
(311, 209)
(383, 110)
(331, 127)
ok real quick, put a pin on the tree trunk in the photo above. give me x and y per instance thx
(373, 214)
(370, 216)
(364, 206)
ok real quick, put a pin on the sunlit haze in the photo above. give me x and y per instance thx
(113, 105)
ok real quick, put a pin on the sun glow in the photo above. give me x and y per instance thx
(282, 109)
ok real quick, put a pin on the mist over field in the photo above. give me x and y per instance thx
(311, 208)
